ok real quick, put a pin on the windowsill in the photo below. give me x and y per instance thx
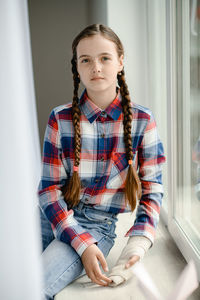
(164, 263)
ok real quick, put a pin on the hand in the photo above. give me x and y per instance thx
(90, 258)
(132, 261)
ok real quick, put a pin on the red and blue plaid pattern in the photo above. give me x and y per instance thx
(103, 167)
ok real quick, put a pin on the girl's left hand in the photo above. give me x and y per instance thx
(132, 261)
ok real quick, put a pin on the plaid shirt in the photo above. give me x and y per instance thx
(103, 168)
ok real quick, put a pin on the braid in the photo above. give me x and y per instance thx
(76, 115)
(72, 189)
(132, 183)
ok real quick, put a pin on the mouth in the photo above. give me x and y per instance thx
(97, 78)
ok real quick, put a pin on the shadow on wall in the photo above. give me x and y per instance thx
(53, 27)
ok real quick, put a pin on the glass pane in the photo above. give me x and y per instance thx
(187, 204)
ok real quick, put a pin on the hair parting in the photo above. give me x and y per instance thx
(71, 190)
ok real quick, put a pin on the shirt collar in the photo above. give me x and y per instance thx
(92, 111)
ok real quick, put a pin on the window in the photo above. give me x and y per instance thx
(184, 36)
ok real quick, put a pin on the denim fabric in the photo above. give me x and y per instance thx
(61, 263)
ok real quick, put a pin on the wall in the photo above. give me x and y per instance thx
(53, 26)
(97, 12)
(128, 20)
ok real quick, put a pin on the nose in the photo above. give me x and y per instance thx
(96, 66)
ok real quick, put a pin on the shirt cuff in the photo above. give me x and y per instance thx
(82, 241)
(138, 245)
(143, 230)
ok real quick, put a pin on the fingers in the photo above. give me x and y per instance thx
(97, 280)
(102, 261)
(91, 258)
(132, 261)
(101, 276)
(94, 279)
(97, 277)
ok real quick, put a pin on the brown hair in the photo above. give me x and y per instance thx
(72, 188)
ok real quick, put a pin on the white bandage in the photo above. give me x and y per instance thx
(136, 245)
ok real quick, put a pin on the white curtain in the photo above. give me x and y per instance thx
(20, 274)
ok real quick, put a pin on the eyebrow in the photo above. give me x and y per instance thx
(104, 53)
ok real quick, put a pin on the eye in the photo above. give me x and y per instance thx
(85, 60)
(105, 58)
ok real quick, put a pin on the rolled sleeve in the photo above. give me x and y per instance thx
(150, 160)
(51, 199)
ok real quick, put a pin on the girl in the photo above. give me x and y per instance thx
(101, 154)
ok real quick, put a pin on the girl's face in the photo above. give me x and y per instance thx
(98, 63)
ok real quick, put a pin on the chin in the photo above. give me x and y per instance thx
(98, 88)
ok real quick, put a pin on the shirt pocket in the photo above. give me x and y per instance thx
(119, 170)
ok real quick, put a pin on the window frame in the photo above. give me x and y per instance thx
(175, 90)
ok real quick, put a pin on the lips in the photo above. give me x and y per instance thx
(96, 78)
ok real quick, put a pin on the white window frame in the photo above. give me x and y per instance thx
(182, 240)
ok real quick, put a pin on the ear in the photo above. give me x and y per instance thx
(121, 62)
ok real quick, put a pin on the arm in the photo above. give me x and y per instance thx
(150, 160)
(51, 200)
(141, 234)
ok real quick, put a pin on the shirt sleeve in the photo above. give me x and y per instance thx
(150, 160)
(51, 200)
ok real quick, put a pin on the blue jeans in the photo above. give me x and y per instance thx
(60, 262)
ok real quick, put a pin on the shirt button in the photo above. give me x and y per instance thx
(103, 113)
(96, 180)
(103, 135)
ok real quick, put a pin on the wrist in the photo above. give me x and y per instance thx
(136, 245)
(88, 248)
